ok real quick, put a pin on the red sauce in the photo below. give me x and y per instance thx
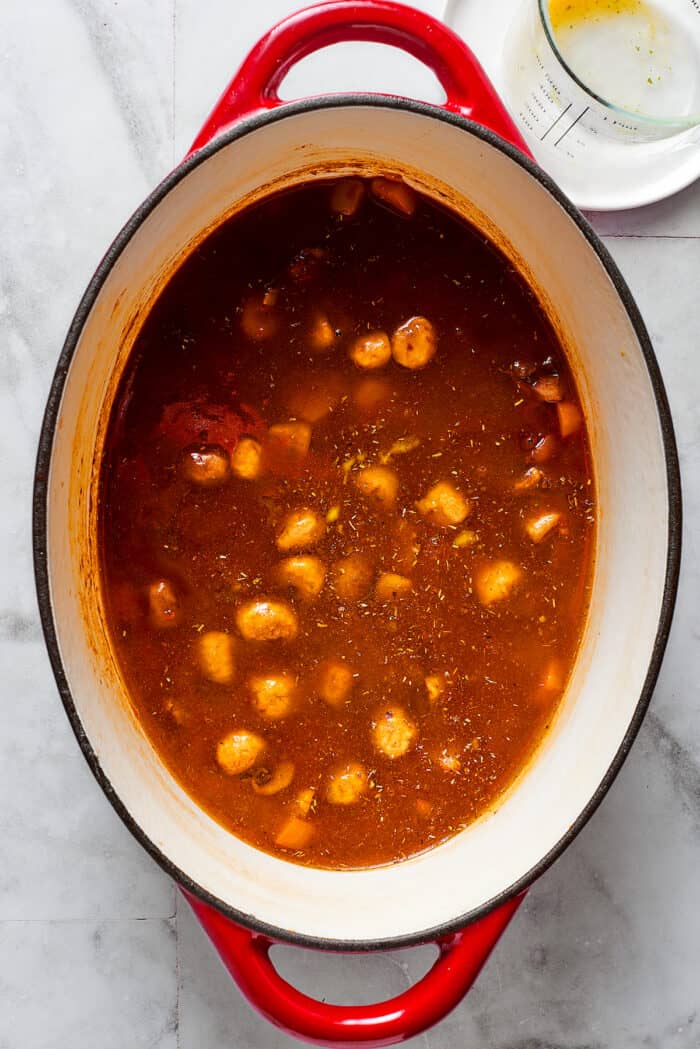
(406, 688)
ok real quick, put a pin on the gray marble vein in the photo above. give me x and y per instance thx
(98, 100)
(84, 985)
(134, 55)
(64, 852)
(75, 163)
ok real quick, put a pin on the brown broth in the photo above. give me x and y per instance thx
(195, 377)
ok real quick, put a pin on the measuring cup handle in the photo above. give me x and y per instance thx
(255, 86)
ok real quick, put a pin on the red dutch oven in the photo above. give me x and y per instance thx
(468, 155)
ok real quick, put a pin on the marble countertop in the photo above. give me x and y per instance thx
(99, 99)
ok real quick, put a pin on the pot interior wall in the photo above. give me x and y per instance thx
(518, 211)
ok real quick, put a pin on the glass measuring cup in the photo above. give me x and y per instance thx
(627, 70)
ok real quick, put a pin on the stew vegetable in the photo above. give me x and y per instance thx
(347, 521)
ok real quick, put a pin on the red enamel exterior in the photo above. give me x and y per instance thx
(246, 955)
(469, 93)
(467, 88)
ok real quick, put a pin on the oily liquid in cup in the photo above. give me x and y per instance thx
(636, 55)
(581, 75)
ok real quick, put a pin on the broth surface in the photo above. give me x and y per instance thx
(346, 599)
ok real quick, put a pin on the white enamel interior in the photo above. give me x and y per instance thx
(487, 858)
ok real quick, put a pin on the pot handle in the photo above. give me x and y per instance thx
(467, 88)
(246, 955)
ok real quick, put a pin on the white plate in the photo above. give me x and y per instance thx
(596, 173)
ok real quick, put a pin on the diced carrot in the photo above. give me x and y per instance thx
(163, 604)
(289, 439)
(286, 448)
(322, 335)
(539, 527)
(295, 834)
(435, 685)
(552, 678)
(315, 398)
(570, 418)
(465, 539)
(391, 587)
(371, 393)
(530, 479)
(496, 580)
(395, 194)
(347, 196)
(546, 448)
(259, 320)
(303, 802)
(549, 388)
(334, 681)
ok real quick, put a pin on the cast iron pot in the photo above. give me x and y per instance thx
(467, 154)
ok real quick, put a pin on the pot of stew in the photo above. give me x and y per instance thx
(357, 522)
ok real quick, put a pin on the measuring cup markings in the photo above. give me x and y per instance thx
(601, 164)
(544, 92)
(546, 112)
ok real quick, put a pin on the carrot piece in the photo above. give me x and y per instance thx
(347, 196)
(539, 527)
(570, 418)
(546, 448)
(289, 439)
(552, 679)
(163, 604)
(530, 479)
(295, 834)
(549, 388)
(496, 580)
(395, 194)
(301, 805)
(259, 320)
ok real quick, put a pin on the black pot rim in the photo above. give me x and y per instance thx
(41, 491)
